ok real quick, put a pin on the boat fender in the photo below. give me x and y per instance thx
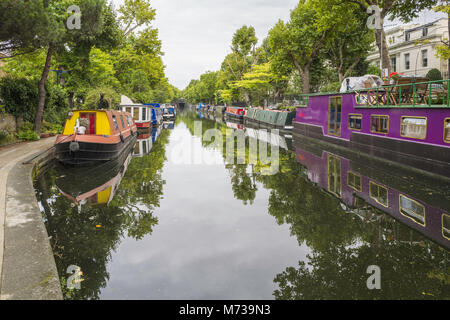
(74, 146)
(121, 138)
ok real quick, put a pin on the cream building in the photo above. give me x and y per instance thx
(409, 54)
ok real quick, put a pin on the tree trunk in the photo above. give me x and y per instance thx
(380, 36)
(448, 61)
(42, 92)
(306, 81)
(70, 98)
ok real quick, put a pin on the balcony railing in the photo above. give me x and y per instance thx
(432, 94)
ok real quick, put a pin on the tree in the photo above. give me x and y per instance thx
(406, 10)
(298, 42)
(443, 50)
(349, 41)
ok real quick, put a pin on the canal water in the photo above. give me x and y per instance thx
(176, 219)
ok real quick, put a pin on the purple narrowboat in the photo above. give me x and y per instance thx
(408, 123)
(356, 183)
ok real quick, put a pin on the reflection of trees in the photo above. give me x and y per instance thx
(344, 245)
(86, 236)
(408, 271)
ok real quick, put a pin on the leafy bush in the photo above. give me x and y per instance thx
(434, 75)
(56, 106)
(20, 97)
(28, 135)
(6, 137)
(111, 98)
(331, 87)
(51, 128)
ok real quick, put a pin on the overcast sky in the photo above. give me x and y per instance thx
(196, 34)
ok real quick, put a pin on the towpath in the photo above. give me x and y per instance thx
(21, 230)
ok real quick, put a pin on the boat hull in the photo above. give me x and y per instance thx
(92, 153)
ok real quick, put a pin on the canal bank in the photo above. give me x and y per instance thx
(27, 266)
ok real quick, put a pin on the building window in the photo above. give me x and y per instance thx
(144, 114)
(394, 63)
(379, 124)
(354, 181)
(355, 122)
(407, 36)
(412, 210)
(425, 58)
(446, 226)
(379, 194)
(415, 128)
(425, 32)
(407, 61)
(447, 130)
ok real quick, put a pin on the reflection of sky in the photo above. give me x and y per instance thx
(207, 245)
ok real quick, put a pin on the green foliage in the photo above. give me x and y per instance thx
(331, 87)
(20, 97)
(434, 75)
(28, 135)
(110, 96)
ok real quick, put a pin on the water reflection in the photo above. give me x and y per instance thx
(230, 232)
(88, 211)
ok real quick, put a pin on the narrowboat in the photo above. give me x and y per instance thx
(415, 199)
(142, 114)
(407, 123)
(235, 113)
(95, 136)
(220, 111)
(271, 118)
(169, 113)
(156, 114)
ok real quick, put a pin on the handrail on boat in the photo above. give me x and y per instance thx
(429, 94)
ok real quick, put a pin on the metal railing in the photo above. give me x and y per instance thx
(414, 94)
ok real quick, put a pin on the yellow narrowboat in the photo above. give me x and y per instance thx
(95, 136)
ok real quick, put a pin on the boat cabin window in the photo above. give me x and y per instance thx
(379, 194)
(144, 114)
(130, 121)
(412, 210)
(116, 126)
(136, 114)
(123, 122)
(415, 128)
(446, 226)
(447, 130)
(379, 124)
(354, 181)
(355, 122)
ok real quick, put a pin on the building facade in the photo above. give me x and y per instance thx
(412, 48)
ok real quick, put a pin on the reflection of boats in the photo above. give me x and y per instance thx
(282, 141)
(93, 136)
(94, 186)
(418, 200)
(399, 123)
(271, 118)
(235, 125)
(145, 142)
(236, 113)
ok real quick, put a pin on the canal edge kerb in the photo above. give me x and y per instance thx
(28, 270)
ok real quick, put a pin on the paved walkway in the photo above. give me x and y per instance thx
(10, 208)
